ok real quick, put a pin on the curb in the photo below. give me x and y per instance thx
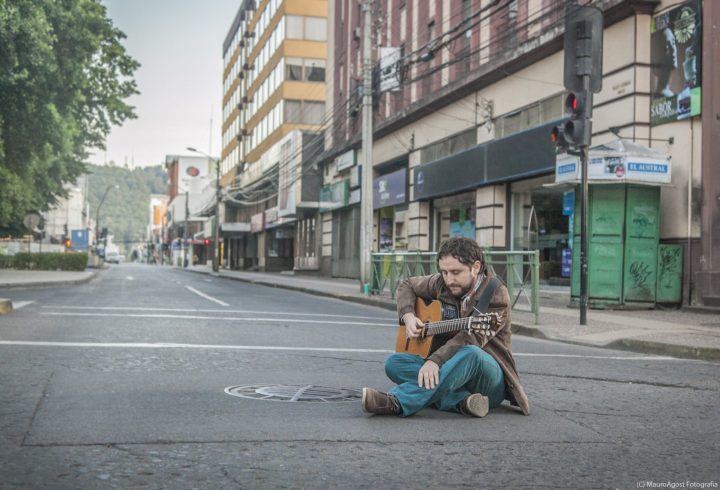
(5, 306)
(641, 346)
(49, 284)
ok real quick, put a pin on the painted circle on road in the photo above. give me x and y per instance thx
(294, 393)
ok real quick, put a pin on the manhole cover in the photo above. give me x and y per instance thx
(295, 393)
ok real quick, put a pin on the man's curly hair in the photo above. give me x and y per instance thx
(465, 250)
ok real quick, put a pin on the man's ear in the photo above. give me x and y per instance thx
(477, 267)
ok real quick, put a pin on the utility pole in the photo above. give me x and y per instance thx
(185, 228)
(218, 201)
(366, 197)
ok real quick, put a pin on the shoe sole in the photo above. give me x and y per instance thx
(364, 398)
(478, 405)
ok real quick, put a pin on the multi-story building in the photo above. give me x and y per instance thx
(274, 86)
(185, 226)
(466, 97)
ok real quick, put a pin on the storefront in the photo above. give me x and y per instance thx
(279, 236)
(390, 204)
(453, 216)
(539, 221)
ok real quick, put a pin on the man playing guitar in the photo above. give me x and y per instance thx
(469, 371)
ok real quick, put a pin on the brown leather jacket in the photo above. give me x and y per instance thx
(497, 344)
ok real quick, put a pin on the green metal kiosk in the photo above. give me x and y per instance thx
(627, 265)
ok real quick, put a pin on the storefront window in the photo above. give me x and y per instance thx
(539, 223)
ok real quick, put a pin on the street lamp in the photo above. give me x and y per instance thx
(97, 213)
(216, 229)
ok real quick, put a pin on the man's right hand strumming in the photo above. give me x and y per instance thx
(413, 325)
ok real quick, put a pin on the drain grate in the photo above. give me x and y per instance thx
(295, 393)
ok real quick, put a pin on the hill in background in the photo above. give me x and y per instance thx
(125, 212)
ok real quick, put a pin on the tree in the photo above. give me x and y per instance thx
(64, 79)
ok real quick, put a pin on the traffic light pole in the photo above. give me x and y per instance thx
(584, 236)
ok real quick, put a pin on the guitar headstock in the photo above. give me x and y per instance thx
(483, 322)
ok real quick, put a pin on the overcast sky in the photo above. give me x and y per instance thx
(179, 45)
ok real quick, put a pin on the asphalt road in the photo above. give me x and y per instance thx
(121, 383)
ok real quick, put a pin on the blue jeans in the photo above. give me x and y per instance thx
(470, 370)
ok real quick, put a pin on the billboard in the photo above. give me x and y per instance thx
(676, 59)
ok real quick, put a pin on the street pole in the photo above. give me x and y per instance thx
(366, 197)
(185, 230)
(216, 255)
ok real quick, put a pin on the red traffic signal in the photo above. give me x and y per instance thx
(206, 241)
(574, 103)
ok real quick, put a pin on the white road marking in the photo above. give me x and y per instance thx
(220, 318)
(130, 278)
(163, 345)
(624, 358)
(187, 346)
(199, 310)
(221, 303)
(208, 280)
(21, 304)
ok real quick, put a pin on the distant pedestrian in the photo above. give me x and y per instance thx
(468, 372)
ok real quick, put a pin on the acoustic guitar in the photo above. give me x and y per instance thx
(431, 315)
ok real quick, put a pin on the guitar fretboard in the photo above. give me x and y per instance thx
(447, 326)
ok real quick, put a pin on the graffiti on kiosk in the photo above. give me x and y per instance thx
(639, 271)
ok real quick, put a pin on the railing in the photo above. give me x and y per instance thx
(520, 270)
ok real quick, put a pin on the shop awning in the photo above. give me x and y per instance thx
(618, 161)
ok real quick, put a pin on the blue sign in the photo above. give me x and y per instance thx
(567, 168)
(568, 203)
(656, 168)
(79, 240)
(390, 189)
(566, 270)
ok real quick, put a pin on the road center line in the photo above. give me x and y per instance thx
(164, 345)
(221, 303)
(198, 310)
(124, 345)
(218, 318)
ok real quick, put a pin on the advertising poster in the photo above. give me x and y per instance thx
(676, 58)
(462, 222)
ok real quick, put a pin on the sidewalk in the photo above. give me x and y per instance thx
(680, 333)
(687, 333)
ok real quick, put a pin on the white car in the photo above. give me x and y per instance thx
(114, 258)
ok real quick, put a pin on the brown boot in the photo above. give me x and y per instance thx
(475, 405)
(379, 403)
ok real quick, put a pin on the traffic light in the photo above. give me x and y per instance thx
(583, 48)
(577, 130)
(207, 242)
(67, 243)
(557, 136)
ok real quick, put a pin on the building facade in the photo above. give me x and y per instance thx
(466, 93)
(274, 100)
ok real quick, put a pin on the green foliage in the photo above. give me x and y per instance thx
(64, 77)
(45, 261)
(125, 212)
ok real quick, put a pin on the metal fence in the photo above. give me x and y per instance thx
(520, 270)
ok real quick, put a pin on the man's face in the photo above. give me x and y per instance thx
(458, 277)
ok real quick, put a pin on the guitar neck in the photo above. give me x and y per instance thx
(446, 326)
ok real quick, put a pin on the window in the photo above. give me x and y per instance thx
(293, 68)
(315, 70)
(292, 111)
(310, 28)
(304, 112)
(546, 110)
(315, 28)
(294, 25)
